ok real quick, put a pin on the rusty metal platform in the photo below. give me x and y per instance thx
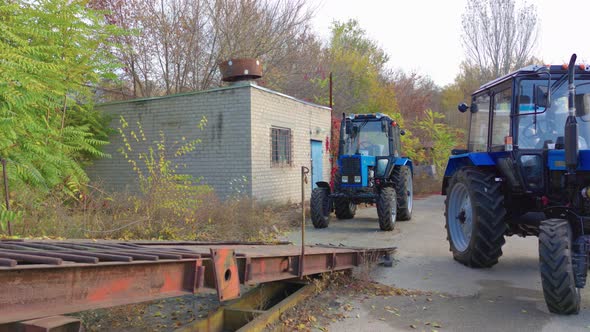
(44, 278)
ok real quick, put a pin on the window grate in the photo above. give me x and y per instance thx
(281, 147)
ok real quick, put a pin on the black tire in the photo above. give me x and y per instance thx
(320, 207)
(476, 234)
(555, 261)
(404, 187)
(344, 208)
(387, 208)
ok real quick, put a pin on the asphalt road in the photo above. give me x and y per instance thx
(506, 297)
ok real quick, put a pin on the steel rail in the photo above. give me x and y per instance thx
(63, 284)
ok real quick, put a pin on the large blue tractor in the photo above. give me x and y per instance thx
(528, 151)
(371, 170)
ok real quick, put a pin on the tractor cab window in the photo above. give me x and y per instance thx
(501, 120)
(367, 138)
(478, 132)
(538, 126)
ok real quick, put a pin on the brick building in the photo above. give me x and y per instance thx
(252, 133)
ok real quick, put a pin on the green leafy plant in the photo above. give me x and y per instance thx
(167, 194)
(442, 137)
(51, 54)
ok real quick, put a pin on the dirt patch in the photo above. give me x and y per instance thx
(162, 315)
(336, 298)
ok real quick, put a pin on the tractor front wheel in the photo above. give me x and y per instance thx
(344, 208)
(402, 178)
(320, 207)
(387, 208)
(474, 213)
(557, 273)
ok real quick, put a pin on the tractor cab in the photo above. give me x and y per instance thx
(369, 143)
(518, 122)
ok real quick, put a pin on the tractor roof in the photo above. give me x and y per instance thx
(369, 116)
(553, 69)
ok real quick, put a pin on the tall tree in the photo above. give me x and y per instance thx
(50, 57)
(414, 93)
(176, 45)
(497, 36)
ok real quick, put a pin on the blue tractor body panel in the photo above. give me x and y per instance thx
(556, 160)
(365, 162)
(456, 162)
(403, 161)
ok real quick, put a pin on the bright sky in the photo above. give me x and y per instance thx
(425, 35)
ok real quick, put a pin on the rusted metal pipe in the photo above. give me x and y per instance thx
(331, 102)
(304, 172)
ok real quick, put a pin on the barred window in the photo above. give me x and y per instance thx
(280, 145)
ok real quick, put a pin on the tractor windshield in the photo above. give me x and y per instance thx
(537, 125)
(366, 138)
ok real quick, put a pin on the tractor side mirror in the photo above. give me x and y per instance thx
(541, 96)
(474, 108)
(462, 107)
(402, 132)
(582, 104)
(348, 126)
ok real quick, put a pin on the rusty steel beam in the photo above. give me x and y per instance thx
(32, 293)
(31, 289)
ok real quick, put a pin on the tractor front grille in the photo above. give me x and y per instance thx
(351, 166)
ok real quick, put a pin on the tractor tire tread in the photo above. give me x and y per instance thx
(487, 238)
(400, 174)
(386, 199)
(343, 210)
(555, 261)
(318, 198)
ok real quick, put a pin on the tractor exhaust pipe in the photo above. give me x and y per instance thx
(571, 125)
(342, 134)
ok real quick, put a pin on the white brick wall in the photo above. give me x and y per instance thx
(306, 122)
(222, 155)
(235, 142)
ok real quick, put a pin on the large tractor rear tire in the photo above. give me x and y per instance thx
(555, 261)
(387, 208)
(320, 207)
(474, 213)
(402, 178)
(344, 208)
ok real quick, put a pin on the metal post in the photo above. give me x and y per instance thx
(6, 193)
(304, 172)
(331, 102)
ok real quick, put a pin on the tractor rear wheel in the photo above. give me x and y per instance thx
(387, 208)
(474, 213)
(344, 208)
(320, 207)
(557, 274)
(402, 178)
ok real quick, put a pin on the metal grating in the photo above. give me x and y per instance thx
(13, 253)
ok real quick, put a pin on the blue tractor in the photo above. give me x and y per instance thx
(528, 151)
(371, 170)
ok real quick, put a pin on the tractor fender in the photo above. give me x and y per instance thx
(323, 184)
(456, 162)
(403, 161)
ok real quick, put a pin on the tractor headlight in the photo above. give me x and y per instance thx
(345, 179)
(357, 179)
(381, 167)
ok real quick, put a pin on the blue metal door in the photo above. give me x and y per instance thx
(317, 157)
